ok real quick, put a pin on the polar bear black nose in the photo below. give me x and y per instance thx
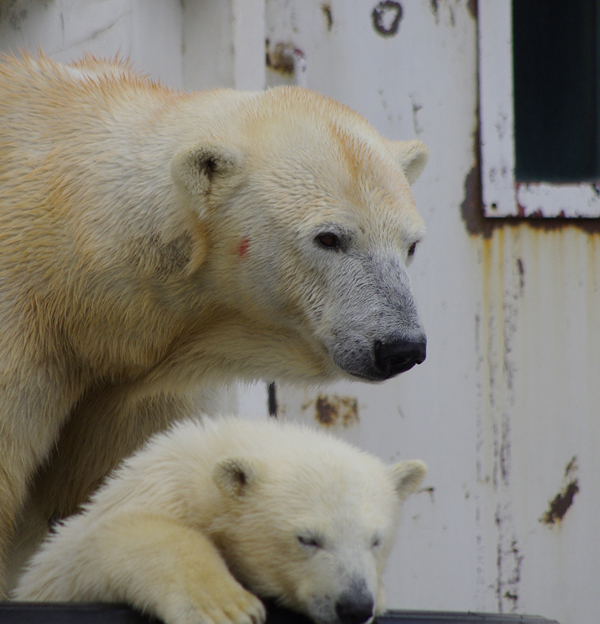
(354, 608)
(400, 355)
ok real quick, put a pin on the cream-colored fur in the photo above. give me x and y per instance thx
(154, 243)
(210, 513)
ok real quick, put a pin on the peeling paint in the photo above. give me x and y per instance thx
(386, 18)
(561, 503)
(283, 58)
(280, 59)
(332, 410)
(326, 10)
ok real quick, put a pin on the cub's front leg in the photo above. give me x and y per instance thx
(151, 562)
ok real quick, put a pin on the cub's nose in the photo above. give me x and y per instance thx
(399, 355)
(354, 609)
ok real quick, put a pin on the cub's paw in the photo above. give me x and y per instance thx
(224, 607)
(249, 610)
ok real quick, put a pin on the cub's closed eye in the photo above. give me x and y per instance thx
(328, 240)
(310, 540)
(412, 249)
(376, 542)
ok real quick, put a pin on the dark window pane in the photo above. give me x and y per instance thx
(555, 80)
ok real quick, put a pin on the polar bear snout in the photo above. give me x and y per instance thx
(355, 607)
(372, 328)
(396, 356)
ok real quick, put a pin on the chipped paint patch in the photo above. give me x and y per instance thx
(332, 411)
(561, 503)
(280, 58)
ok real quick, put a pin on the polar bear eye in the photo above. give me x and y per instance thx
(310, 540)
(412, 249)
(328, 240)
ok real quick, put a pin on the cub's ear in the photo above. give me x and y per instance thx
(412, 156)
(407, 476)
(198, 167)
(235, 476)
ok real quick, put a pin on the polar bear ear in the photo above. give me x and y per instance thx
(198, 167)
(412, 156)
(235, 476)
(407, 476)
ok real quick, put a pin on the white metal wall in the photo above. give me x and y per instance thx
(505, 408)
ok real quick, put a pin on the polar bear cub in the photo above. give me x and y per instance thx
(212, 514)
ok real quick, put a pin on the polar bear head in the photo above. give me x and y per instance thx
(312, 529)
(311, 225)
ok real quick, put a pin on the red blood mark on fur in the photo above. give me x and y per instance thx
(243, 247)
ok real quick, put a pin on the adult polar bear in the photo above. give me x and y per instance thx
(292, 514)
(154, 242)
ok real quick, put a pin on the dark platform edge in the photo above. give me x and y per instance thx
(94, 613)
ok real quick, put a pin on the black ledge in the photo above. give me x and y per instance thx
(84, 613)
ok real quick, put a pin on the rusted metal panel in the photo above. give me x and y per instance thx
(537, 411)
